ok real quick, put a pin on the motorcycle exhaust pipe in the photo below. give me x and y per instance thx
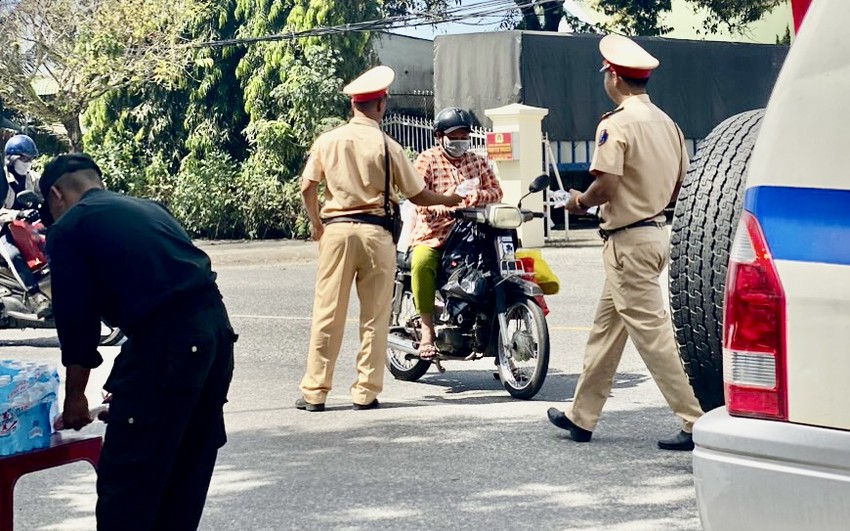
(24, 317)
(402, 344)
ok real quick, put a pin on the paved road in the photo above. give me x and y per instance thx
(451, 451)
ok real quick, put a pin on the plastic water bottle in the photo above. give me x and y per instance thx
(28, 405)
(8, 418)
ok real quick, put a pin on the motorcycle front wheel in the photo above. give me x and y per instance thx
(398, 364)
(524, 361)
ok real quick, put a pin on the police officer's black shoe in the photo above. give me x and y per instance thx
(306, 406)
(683, 442)
(560, 420)
(374, 404)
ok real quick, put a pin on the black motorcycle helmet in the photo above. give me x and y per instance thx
(452, 118)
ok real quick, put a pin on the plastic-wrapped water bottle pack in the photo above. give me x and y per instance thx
(28, 405)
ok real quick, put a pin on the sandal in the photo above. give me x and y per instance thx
(428, 352)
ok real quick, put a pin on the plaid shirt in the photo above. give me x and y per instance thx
(442, 175)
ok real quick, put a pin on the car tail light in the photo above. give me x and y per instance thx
(754, 328)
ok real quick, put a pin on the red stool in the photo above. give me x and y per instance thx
(62, 451)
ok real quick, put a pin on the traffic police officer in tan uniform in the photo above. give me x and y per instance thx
(354, 245)
(638, 164)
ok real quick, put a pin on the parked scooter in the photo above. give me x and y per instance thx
(488, 305)
(29, 238)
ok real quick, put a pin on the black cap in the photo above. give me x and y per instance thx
(56, 168)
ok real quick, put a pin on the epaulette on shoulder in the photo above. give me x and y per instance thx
(609, 113)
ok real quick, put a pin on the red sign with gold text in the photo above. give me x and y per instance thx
(500, 146)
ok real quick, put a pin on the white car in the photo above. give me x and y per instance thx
(777, 456)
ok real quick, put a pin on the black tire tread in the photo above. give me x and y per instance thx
(704, 224)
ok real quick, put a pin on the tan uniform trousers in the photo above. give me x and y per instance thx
(350, 252)
(632, 306)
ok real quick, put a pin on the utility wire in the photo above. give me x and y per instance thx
(489, 8)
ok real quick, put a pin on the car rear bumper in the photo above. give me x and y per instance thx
(757, 474)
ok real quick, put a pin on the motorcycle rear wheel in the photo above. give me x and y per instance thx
(398, 364)
(524, 363)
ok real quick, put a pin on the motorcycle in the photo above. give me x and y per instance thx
(29, 237)
(488, 304)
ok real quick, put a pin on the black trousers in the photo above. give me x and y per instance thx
(166, 423)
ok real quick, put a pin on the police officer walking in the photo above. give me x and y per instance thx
(355, 161)
(128, 262)
(639, 163)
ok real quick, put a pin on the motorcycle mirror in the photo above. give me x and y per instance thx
(540, 183)
(27, 198)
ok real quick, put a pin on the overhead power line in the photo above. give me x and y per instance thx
(481, 10)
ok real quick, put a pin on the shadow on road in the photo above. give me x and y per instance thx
(558, 386)
(470, 468)
(453, 472)
(37, 342)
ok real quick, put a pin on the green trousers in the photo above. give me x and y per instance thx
(423, 277)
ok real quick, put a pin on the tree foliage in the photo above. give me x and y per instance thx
(83, 49)
(643, 17)
(633, 17)
(223, 147)
(220, 133)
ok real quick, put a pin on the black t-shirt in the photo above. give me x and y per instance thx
(120, 259)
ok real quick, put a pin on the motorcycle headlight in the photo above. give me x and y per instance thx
(504, 216)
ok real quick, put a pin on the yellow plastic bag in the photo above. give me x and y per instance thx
(544, 276)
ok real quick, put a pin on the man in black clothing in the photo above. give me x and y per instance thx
(128, 262)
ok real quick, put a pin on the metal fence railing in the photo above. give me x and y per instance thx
(417, 134)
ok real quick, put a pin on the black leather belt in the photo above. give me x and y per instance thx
(368, 219)
(605, 234)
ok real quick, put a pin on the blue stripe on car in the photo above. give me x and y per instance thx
(803, 224)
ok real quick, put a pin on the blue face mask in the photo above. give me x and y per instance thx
(455, 148)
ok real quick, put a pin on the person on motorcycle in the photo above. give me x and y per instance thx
(444, 167)
(19, 153)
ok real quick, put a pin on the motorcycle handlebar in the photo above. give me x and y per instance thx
(528, 215)
(471, 214)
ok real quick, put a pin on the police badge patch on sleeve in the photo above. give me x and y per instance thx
(603, 137)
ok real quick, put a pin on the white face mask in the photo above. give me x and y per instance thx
(21, 167)
(455, 148)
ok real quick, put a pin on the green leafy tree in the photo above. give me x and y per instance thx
(298, 82)
(635, 17)
(734, 15)
(79, 50)
(643, 17)
(216, 115)
(786, 38)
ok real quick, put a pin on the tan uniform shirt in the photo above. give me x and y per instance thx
(642, 145)
(350, 159)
